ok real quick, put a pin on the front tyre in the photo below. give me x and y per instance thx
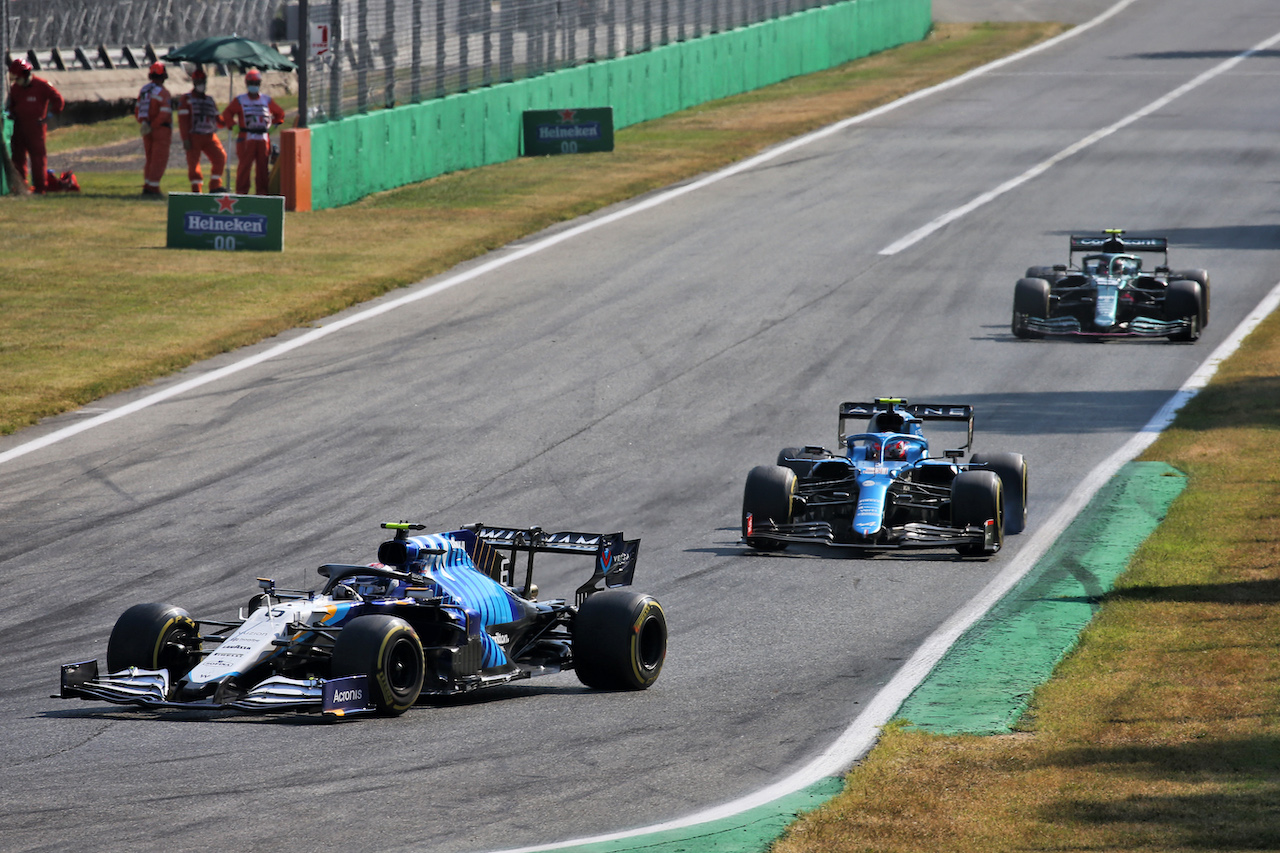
(387, 649)
(1011, 468)
(1184, 301)
(976, 498)
(154, 636)
(1201, 277)
(800, 460)
(619, 640)
(1030, 301)
(768, 496)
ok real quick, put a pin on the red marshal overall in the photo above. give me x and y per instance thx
(154, 111)
(255, 114)
(30, 99)
(198, 122)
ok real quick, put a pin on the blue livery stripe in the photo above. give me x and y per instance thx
(455, 578)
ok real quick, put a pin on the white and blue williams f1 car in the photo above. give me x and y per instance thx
(884, 490)
(437, 614)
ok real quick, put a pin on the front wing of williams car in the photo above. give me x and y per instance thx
(436, 614)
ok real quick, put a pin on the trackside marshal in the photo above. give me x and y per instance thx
(227, 223)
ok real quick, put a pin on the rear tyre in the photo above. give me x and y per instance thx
(154, 636)
(1011, 468)
(768, 495)
(619, 640)
(387, 649)
(1183, 301)
(976, 498)
(1030, 300)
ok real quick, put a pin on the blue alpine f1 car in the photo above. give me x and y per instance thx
(886, 490)
(436, 614)
(1110, 294)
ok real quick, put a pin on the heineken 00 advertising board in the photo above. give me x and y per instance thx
(226, 223)
(567, 131)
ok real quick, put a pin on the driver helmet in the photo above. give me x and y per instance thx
(895, 451)
(1122, 266)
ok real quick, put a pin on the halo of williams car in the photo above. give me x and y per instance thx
(435, 615)
(1109, 294)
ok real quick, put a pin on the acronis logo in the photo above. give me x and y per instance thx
(349, 695)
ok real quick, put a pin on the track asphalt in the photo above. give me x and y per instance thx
(984, 682)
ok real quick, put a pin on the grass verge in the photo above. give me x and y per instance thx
(92, 303)
(1161, 731)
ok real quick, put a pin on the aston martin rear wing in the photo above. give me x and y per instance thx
(1113, 241)
(615, 556)
(923, 411)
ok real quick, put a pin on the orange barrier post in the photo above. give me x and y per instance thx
(295, 168)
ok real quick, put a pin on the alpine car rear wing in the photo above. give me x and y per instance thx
(1114, 242)
(615, 555)
(923, 411)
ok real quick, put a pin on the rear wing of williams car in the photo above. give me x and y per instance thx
(923, 411)
(615, 556)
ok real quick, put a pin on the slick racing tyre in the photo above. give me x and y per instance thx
(1183, 301)
(1202, 277)
(1049, 274)
(1011, 468)
(768, 496)
(387, 649)
(1030, 300)
(976, 498)
(154, 636)
(799, 459)
(619, 640)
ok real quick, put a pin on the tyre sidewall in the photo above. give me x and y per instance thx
(145, 635)
(387, 650)
(1011, 468)
(619, 640)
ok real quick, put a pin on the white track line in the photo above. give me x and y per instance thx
(533, 248)
(1075, 148)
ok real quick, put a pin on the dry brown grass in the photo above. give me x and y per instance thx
(1161, 732)
(91, 303)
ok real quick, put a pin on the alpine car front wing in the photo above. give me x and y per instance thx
(912, 535)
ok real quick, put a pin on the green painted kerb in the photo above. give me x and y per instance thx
(752, 831)
(983, 684)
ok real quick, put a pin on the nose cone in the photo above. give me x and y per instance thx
(868, 516)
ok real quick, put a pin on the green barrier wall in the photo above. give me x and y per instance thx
(6, 131)
(354, 157)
